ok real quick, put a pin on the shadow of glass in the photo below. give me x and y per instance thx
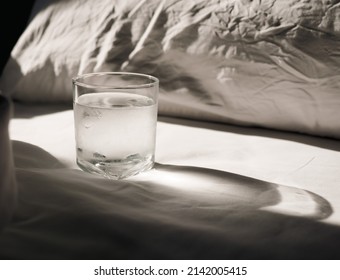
(232, 192)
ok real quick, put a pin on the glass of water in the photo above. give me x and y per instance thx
(115, 116)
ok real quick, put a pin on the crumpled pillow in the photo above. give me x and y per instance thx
(271, 63)
(8, 190)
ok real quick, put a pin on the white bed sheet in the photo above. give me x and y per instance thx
(216, 192)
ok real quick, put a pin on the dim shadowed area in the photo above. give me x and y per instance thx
(13, 20)
(179, 212)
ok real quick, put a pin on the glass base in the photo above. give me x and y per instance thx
(117, 169)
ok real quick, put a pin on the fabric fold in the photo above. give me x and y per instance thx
(8, 187)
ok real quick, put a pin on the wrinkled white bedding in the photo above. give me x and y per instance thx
(269, 63)
(216, 191)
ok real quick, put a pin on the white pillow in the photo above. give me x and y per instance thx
(273, 63)
(7, 175)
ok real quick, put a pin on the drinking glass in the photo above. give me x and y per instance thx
(115, 116)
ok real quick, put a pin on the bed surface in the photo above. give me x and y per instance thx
(216, 192)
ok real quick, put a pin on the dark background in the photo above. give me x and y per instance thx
(13, 20)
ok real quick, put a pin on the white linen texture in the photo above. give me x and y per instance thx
(273, 64)
(233, 193)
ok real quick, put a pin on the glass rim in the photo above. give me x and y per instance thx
(153, 80)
